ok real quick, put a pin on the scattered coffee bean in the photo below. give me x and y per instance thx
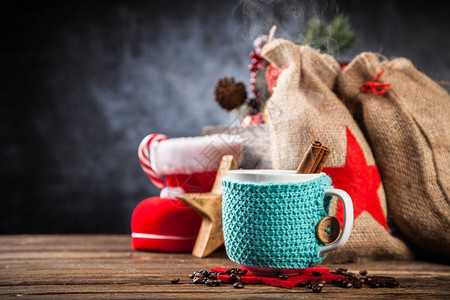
(198, 280)
(337, 282)
(347, 284)
(351, 280)
(381, 281)
(321, 282)
(235, 278)
(301, 284)
(212, 276)
(242, 272)
(228, 271)
(316, 288)
(341, 271)
(176, 280)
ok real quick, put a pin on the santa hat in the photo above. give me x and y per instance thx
(189, 166)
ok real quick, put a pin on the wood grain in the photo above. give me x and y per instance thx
(99, 266)
(209, 206)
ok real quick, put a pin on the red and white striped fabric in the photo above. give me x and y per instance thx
(144, 158)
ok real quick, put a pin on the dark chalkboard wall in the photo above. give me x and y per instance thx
(85, 81)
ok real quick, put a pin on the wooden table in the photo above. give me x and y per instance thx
(100, 266)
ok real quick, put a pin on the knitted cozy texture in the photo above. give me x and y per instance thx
(273, 225)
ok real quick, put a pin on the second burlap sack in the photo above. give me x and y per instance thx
(409, 130)
(303, 108)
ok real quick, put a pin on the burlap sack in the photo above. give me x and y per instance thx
(409, 130)
(303, 108)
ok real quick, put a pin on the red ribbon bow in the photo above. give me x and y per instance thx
(375, 87)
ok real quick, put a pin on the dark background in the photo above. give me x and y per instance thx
(84, 82)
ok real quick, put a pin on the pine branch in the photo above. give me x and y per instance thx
(333, 38)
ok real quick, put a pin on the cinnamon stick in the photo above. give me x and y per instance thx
(325, 152)
(314, 159)
(306, 166)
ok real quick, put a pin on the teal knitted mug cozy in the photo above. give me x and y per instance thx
(273, 224)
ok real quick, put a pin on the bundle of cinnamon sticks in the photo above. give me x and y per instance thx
(314, 159)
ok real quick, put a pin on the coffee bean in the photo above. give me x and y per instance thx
(361, 280)
(315, 273)
(372, 281)
(198, 280)
(209, 282)
(242, 272)
(310, 283)
(363, 272)
(235, 278)
(238, 285)
(321, 282)
(349, 274)
(228, 271)
(217, 282)
(191, 276)
(341, 271)
(357, 285)
(337, 282)
(176, 280)
(284, 277)
(221, 273)
(316, 289)
(278, 274)
(391, 284)
(347, 284)
(199, 275)
(212, 276)
(301, 284)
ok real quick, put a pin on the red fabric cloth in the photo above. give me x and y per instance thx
(193, 183)
(168, 225)
(164, 225)
(360, 181)
(292, 281)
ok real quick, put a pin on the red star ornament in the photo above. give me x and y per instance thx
(360, 181)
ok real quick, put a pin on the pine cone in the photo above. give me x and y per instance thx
(229, 94)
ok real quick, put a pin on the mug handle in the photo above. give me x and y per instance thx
(348, 220)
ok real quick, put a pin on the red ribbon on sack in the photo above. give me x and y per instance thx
(375, 87)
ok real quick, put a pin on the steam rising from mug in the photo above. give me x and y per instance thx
(258, 16)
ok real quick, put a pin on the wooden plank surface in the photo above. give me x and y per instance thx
(99, 266)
